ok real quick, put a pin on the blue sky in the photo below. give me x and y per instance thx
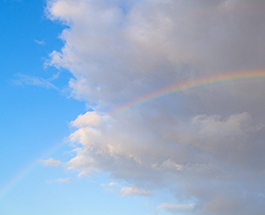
(68, 65)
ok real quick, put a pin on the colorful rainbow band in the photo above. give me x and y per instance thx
(186, 86)
(140, 101)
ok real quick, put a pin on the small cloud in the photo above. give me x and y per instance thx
(64, 180)
(60, 180)
(109, 187)
(40, 42)
(134, 191)
(112, 184)
(175, 208)
(51, 162)
(35, 81)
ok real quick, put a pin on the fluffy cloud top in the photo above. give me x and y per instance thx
(207, 144)
(87, 119)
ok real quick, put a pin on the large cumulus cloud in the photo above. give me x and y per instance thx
(204, 144)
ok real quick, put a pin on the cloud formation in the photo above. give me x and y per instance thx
(60, 181)
(40, 42)
(86, 120)
(132, 191)
(206, 144)
(177, 208)
(23, 79)
(51, 162)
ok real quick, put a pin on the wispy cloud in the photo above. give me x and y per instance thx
(110, 187)
(151, 208)
(134, 191)
(111, 184)
(23, 80)
(60, 181)
(51, 162)
(40, 42)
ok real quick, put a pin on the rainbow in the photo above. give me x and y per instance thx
(17, 179)
(136, 103)
(27, 171)
(186, 86)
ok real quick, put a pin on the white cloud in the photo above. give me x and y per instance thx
(204, 144)
(36, 81)
(60, 181)
(51, 162)
(134, 191)
(111, 184)
(87, 119)
(40, 42)
(110, 187)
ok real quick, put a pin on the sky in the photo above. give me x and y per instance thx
(151, 107)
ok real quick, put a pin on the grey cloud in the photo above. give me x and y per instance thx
(177, 208)
(204, 144)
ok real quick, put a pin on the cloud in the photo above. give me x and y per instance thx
(87, 119)
(35, 81)
(111, 184)
(110, 187)
(206, 144)
(60, 180)
(176, 208)
(40, 42)
(151, 208)
(51, 162)
(134, 191)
